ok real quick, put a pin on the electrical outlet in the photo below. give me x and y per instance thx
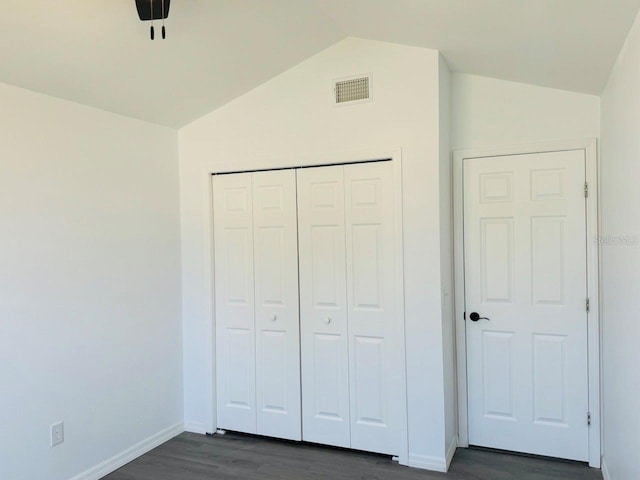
(57, 434)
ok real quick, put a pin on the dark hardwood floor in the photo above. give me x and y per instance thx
(234, 457)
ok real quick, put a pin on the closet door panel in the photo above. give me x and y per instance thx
(325, 375)
(234, 302)
(371, 286)
(276, 304)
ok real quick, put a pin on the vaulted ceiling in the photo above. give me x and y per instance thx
(99, 53)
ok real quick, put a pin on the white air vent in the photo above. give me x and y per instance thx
(353, 90)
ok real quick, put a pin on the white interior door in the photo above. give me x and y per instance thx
(277, 320)
(234, 302)
(323, 306)
(374, 353)
(525, 271)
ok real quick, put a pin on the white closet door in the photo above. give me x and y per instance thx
(234, 302)
(323, 306)
(276, 304)
(374, 354)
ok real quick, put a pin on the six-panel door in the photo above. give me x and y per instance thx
(323, 306)
(277, 319)
(234, 302)
(374, 332)
(525, 271)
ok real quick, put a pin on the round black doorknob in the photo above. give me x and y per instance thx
(475, 316)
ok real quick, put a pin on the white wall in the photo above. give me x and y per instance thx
(285, 122)
(90, 327)
(489, 113)
(446, 260)
(620, 223)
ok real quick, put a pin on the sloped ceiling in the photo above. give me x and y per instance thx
(98, 53)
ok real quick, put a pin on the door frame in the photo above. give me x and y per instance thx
(305, 161)
(589, 146)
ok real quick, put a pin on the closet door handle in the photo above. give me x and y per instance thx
(327, 320)
(273, 318)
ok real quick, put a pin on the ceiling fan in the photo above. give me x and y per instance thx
(154, 10)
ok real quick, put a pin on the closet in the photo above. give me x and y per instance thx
(309, 341)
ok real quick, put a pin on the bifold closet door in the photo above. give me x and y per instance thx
(323, 306)
(350, 329)
(234, 302)
(277, 322)
(372, 291)
(256, 301)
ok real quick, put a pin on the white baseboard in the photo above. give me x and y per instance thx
(605, 472)
(195, 427)
(451, 450)
(130, 454)
(435, 464)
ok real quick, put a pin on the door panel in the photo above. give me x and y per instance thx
(328, 402)
(497, 259)
(547, 260)
(497, 366)
(239, 273)
(370, 409)
(234, 302)
(240, 374)
(273, 362)
(323, 306)
(276, 304)
(374, 357)
(525, 269)
(548, 379)
(367, 266)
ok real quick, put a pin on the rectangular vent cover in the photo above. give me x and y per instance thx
(352, 90)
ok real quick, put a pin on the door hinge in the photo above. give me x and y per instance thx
(588, 305)
(586, 189)
(588, 419)
(464, 315)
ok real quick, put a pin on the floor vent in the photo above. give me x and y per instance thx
(353, 89)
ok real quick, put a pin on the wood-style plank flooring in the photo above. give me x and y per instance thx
(241, 457)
